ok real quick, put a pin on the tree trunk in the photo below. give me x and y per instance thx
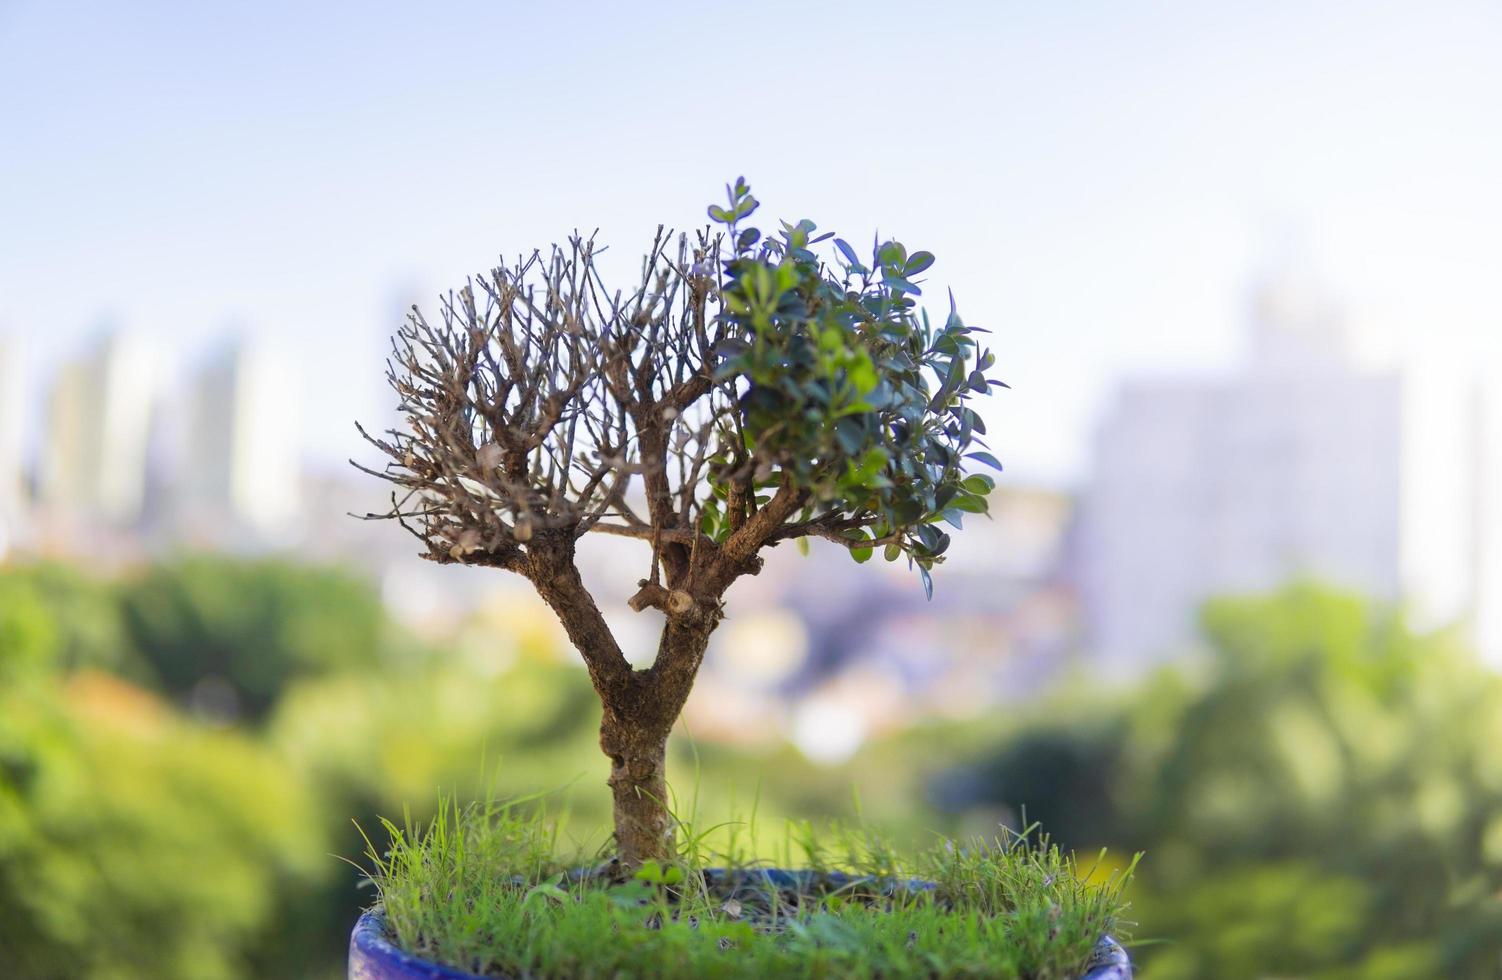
(639, 711)
(638, 784)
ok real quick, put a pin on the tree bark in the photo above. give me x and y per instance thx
(640, 706)
(639, 789)
(634, 730)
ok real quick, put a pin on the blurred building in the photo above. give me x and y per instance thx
(829, 654)
(240, 471)
(1298, 464)
(93, 465)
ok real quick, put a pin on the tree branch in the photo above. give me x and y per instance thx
(645, 532)
(832, 527)
(744, 543)
(551, 569)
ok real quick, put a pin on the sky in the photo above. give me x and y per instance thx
(1102, 183)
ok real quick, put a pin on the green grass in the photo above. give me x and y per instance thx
(491, 888)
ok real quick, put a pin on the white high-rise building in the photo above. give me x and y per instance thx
(240, 472)
(99, 420)
(1298, 465)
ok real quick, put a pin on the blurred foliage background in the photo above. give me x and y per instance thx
(184, 752)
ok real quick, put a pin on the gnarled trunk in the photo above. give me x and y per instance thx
(634, 729)
(638, 785)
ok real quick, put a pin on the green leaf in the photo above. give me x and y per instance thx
(986, 458)
(544, 891)
(978, 484)
(863, 375)
(906, 512)
(928, 583)
(971, 504)
(917, 262)
(848, 433)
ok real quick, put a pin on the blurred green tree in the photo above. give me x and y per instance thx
(56, 617)
(210, 626)
(1322, 796)
(136, 844)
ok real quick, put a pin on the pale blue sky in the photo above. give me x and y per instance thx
(1098, 180)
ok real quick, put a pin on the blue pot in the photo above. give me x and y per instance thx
(372, 956)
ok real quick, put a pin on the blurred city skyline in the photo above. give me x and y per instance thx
(1237, 605)
(1298, 463)
(1105, 205)
(1225, 296)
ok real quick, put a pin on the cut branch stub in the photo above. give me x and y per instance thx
(674, 602)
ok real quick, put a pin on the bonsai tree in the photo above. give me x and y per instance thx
(745, 391)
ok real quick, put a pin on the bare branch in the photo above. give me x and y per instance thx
(539, 398)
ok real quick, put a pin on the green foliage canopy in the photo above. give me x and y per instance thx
(1324, 798)
(254, 624)
(135, 844)
(849, 388)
